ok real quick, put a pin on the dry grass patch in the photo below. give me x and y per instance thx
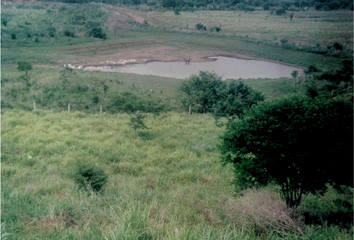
(264, 210)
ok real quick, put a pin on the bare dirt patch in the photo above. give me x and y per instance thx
(105, 47)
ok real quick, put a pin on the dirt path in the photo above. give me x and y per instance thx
(135, 17)
(105, 47)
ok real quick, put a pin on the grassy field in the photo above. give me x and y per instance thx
(276, 38)
(167, 184)
(306, 28)
(45, 86)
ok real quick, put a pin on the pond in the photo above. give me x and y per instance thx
(226, 67)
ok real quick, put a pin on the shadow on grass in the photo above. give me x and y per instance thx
(147, 136)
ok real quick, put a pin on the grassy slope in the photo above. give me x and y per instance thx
(167, 184)
(168, 177)
(242, 33)
(307, 28)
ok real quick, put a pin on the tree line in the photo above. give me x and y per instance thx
(249, 5)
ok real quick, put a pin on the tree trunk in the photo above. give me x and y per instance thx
(134, 133)
(34, 105)
(190, 109)
(69, 108)
(100, 109)
(26, 72)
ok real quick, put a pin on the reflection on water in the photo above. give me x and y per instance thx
(227, 68)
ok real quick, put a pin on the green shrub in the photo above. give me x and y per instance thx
(67, 33)
(4, 22)
(90, 177)
(51, 31)
(333, 208)
(280, 11)
(97, 32)
(294, 141)
(200, 26)
(177, 11)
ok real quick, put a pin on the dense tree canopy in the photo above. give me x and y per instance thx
(234, 99)
(201, 91)
(207, 93)
(24, 66)
(297, 142)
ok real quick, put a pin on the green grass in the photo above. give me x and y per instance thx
(46, 88)
(167, 184)
(307, 28)
(242, 33)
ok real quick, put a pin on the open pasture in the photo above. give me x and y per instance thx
(167, 184)
(310, 28)
(50, 34)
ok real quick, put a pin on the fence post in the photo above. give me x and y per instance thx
(190, 109)
(69, 108)
(34, 105)
(100, 109)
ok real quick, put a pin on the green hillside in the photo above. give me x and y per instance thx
(167, 184)
(84, 175)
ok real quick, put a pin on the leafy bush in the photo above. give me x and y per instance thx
(4, 22)
(90, 177)
(51, 31)
(177, 11)
(280, 11)
(97, 32)
(208, 93)
(300, 143)
(200, 26)
(67, 33)
(334, 207)
(13, 36)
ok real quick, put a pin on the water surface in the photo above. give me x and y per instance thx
(227, 68)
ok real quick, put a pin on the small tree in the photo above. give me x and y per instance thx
(299, 143)
(97, 32)
(200, 26)
(4, 22)
(137, 121)
(90, 177)
(136, 107)
(280, 11)
(24, 66)
(234, 98)
(200, 91)
(294, 74)
(177, 11)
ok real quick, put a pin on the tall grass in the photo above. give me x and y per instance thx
(167, 184)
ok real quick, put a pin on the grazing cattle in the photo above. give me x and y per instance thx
(187, 60)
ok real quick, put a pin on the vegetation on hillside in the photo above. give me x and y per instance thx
(294, 141)
(100, 155)
(243, 5)
(167, 184)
